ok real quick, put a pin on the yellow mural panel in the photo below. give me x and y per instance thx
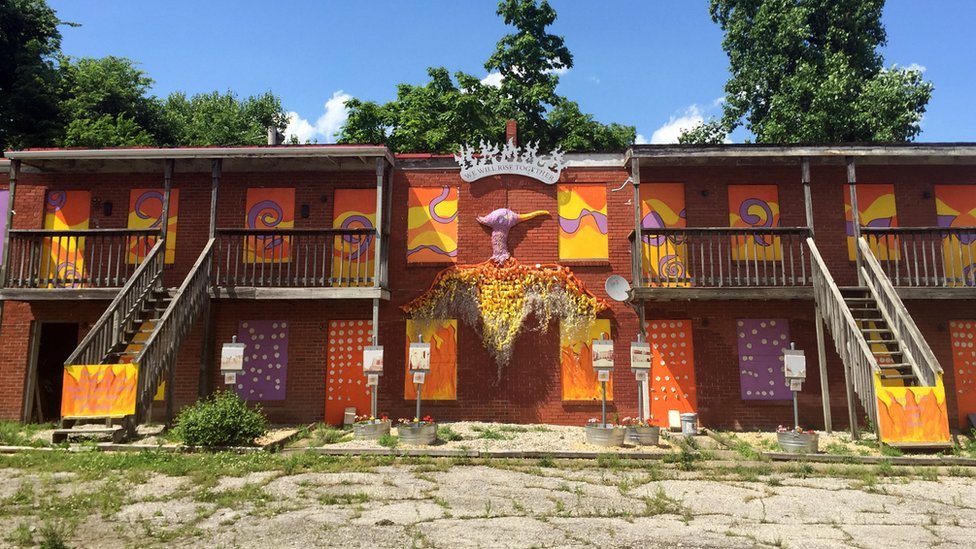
(912, 414)
(352, 255)
(955, 208)
(66, 211)
(583, 230)
(441, 381)
(99, 390)
(876, 209)
(579, 379)
(663, 258)
(755, 206)
(432, 224)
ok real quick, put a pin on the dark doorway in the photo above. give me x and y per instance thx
(57, 341)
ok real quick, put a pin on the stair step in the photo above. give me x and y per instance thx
(897, 376)
(888, 352)
(880, 341)
(877, 331)
(896, 366)
(61, 435)
(869, 319)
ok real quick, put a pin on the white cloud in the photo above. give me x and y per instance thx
(916, 67)
(493, 79)
(595, 79)
(641, 140)
(668, 133)
(324, 129)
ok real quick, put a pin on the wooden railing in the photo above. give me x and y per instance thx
(916, 350)
(109, 330)
(722, 257)
(849, 341)
(925, 257)
(158, 355)
(294, 258)
(99, 258)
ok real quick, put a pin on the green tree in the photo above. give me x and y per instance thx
(106, 103)
(446, 112)
(220, 119)
(29, 44)
(810, 71)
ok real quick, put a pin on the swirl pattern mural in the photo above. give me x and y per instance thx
(672, 377)
(432, 225)
(441, 381)
(345, 384)
(955, 206)
(583, 232)
(66, 211)
(579, 379)
(754, 206)
(663, 206)
(269, 209)
(146, 212)
(352, 255)
(876, 208)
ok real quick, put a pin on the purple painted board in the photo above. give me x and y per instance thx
(4, 197)
(761, 344)
(265, 359)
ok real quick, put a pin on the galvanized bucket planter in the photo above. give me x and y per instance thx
(643, 435)
(598, 435)
(792, 442)
(371, 431)
(420, 434)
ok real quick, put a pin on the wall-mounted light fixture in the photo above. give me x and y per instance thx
(107, 208)
(305, 211)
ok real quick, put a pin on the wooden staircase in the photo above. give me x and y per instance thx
(886, 348)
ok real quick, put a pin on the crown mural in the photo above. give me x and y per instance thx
(488, 160)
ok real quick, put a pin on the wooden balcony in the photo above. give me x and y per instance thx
(297, 264)
(86, 264)
(722, 263)
(927, 262)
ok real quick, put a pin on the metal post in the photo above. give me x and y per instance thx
(372, 404)
(796, 411)
(822, 361)
(603, 385)
(375, 341)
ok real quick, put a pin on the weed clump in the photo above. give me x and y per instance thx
(223, 419)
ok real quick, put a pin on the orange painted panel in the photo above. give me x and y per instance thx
(754, 206)
(352, 255)
(345, 384)
(579, 379)
(876, 208)
(912, 414)
(672, 377)
(583, 231)
(269, 209)
(146, 212)
(441, 382)
(66, 211)
(963, 334)
(99, 390)
(432, 224)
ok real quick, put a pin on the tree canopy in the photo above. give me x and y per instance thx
(446, 112)
(810, 71)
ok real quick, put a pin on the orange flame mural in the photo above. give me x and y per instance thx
(912, 414)
(99, 390)
(441, 381)
(579, 379)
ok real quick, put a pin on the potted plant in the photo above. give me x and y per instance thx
(797, 440)
(417, 431)
(371, 428)
(641, 432)
(599, 434)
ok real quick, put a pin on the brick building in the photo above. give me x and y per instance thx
(732, 252)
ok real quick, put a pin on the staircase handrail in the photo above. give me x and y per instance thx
(108, 330)
(848, 338)
(917, 350)
(159, 353)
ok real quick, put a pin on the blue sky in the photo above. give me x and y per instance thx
(655, 64)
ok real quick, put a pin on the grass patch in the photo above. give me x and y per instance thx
(744, 449)
(388, 441)
(325, 434)
(449, 435)
(344, 499)
(13, 433)
(488, 433)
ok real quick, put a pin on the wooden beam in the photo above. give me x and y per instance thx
(807, 195)
(379, 223)
(722, 294)
(57, 294)
(855, 214)
(937, 293)
(635, 182)
(822, 363)
(11, 193)
(167, 187)
(366, 292)
(215, 170)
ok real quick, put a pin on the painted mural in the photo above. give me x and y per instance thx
(579, 379)
(352, 255)
(955, 206)
(432, 224)
(672, 377)
(663, 205)
(345, 384)
(755, 206)
(441, 381)
(876, 208)
(146, 212)
(99, 390)
(66, 211)
(583, 230)
(963, 334)
(265, 359)
(4, 204)
(912, 414)
(761, 342)
(269, 209)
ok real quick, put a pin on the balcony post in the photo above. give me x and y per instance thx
(378, 224)
(855, 215)
(167, 187)
(215, 170)
(822, 363)
(11, 191)
(638, 249)
(807, 194)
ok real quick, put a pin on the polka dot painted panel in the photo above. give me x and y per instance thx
(345, 384)
(672, 377)
(760, 343)
(265, 359)
(963, 334)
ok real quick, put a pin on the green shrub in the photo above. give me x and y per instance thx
(223, 419)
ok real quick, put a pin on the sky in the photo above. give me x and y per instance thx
(657, 65)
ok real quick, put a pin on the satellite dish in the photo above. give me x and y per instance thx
(617, 288)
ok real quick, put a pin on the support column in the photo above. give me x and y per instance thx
(4, 260)
(207, 346)
(167, 188)
(637, 261)
(379, 224)
(807, 194)
(822, 361)
(851, 403)
(855, 214)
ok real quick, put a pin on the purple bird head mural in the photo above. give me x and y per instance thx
(501, 221)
